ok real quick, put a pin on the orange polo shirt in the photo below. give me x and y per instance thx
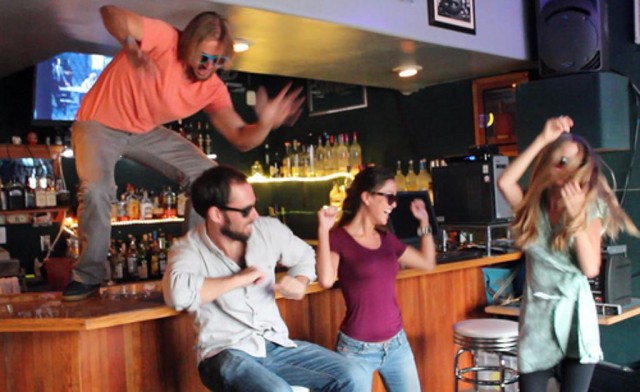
(128, 99)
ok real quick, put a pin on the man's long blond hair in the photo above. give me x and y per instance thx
(586, 168)
(206, 25)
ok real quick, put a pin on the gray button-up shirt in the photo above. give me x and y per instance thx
(242, 318)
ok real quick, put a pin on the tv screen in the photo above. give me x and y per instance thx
(61, 82)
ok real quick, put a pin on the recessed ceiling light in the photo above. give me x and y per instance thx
(241, 45)
(406, 71)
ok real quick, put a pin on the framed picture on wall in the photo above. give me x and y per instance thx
(456, 15)
(331, 97)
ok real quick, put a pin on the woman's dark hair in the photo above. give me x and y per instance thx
(213, 187)
(370, 179)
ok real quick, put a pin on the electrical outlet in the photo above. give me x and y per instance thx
(45, 242)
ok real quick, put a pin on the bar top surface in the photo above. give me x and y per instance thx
(138, 302)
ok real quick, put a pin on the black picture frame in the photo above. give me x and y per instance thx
(458, 15)
(332, 97)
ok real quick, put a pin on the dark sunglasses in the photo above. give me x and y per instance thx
(391, 198)
(564, 161)
(243, 211)
(217, 60)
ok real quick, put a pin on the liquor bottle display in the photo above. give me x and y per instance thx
(138, 259)
(334, 155)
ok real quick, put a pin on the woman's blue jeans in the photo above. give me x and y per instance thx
(393, 359)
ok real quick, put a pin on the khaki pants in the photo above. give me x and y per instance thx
(97, 149)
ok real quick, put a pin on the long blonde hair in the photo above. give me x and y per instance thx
(587, 170)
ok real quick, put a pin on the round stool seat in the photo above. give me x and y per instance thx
(487, 328)
(486, 334)
(492, 336)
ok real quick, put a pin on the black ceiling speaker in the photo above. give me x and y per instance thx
(572, 36)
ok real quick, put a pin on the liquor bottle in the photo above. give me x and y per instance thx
(424, 178)
(411, 180)
(286, 160)
(132, 259)
(152, 256)
(63, 197)
(343, 154)
(310, 161)
(295, 159)
(132, 203)
(146, 206)
(51, 193)
(181, 202)
(181, 129)
(267, 161)
(162, 252)
(16, 195)
(329, 167)
(320, 158)
(40, 192)
(303, 160)
(143, 265)
(355, 155)
(335, 167)
(4, 197)
(117, 261)
(169, 203)
(401, 183)
(207, 144)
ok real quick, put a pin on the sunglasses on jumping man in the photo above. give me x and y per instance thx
(217, 60)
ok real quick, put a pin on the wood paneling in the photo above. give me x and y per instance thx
(143, 354)
(430, 304)
(122, 358)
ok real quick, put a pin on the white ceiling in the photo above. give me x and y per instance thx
(34, 30)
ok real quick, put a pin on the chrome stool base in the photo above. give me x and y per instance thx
(492, 336)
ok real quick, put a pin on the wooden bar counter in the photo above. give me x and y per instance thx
(128, 340)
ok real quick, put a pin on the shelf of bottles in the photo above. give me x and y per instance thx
(413, 181)
(141, 207)
(138, 259)
(335, 158)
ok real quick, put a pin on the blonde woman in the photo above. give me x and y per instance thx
(559, 224)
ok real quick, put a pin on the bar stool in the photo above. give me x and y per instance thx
(493, 336)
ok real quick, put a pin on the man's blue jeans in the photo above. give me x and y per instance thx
(393, 359)
(307, 365)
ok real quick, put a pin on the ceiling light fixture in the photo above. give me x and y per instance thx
(407, 71)
(241, 45)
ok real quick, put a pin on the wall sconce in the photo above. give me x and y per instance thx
(407, 71)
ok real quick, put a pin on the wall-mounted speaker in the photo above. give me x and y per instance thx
(598, 102)
(572, 36)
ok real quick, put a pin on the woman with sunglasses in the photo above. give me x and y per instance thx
(559, 223)
(161, 75)
(367, 258)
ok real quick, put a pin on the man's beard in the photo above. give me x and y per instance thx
(234, 235)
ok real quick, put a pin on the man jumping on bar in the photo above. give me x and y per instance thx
(160, 75)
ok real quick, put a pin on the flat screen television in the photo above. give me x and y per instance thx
(61, 82)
